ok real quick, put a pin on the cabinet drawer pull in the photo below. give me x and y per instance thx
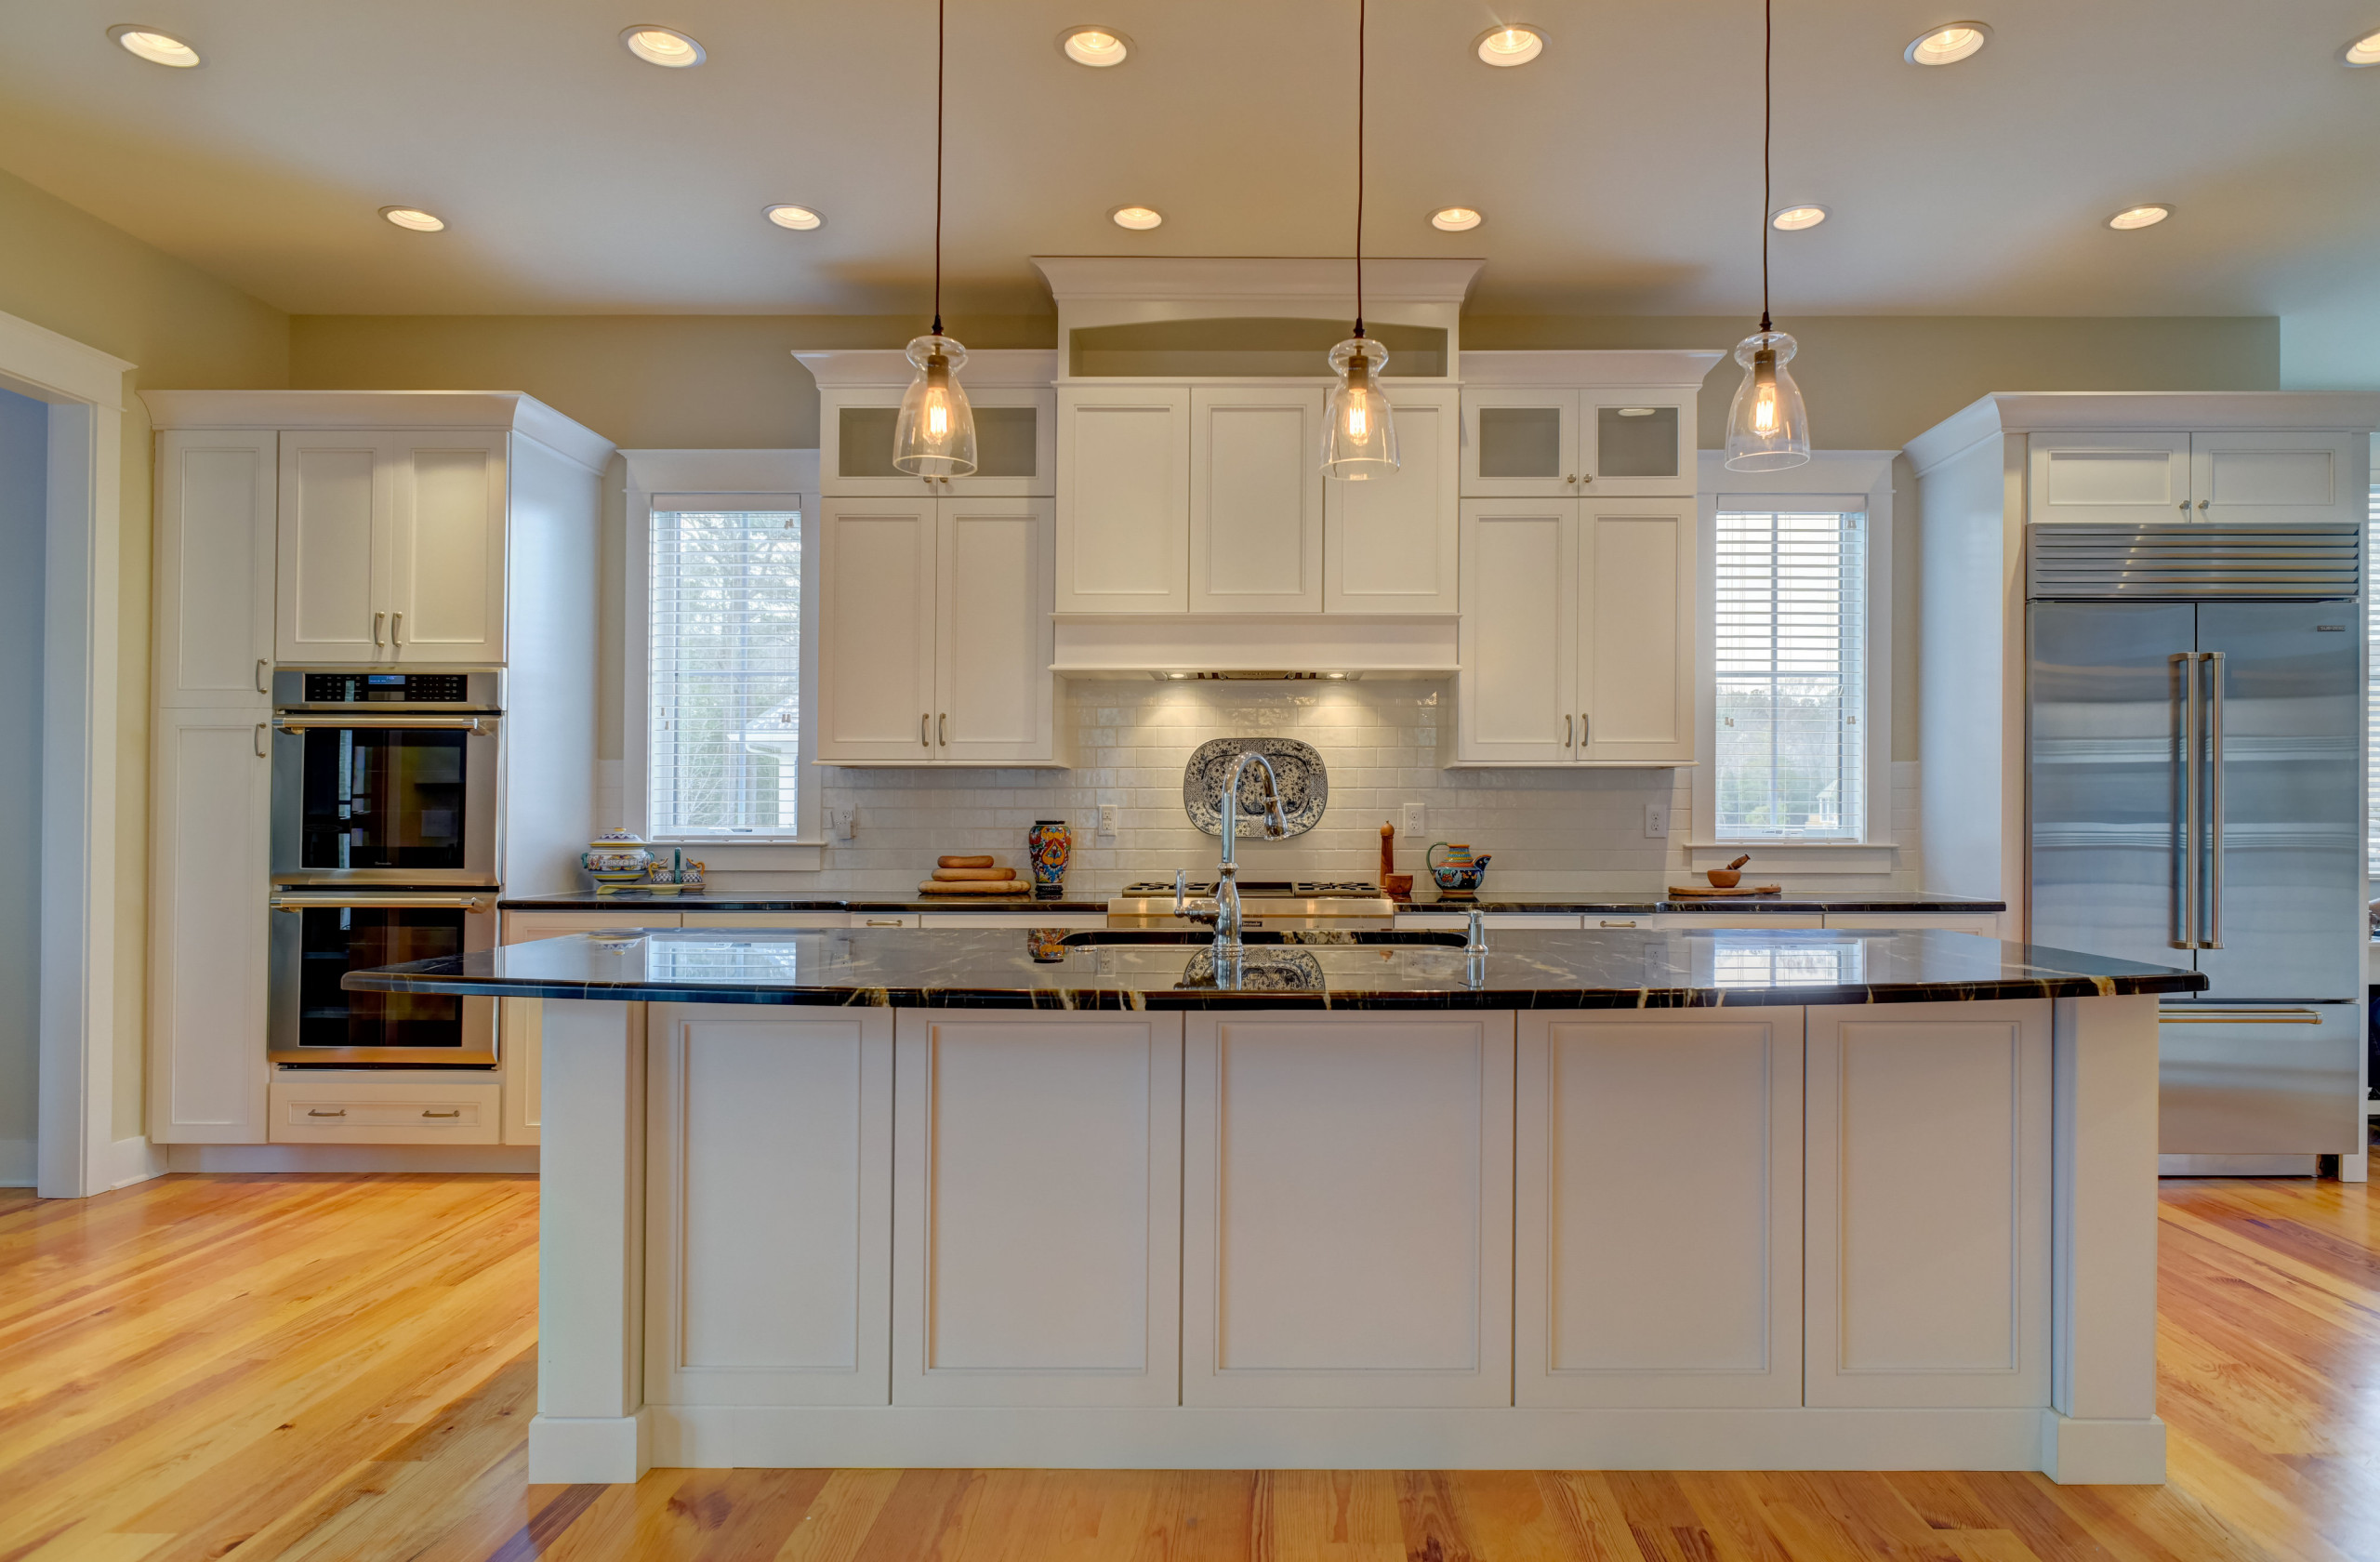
(1567, 731)
(1584, 730)
(450, 1112)
(378, 619)
(924, 721)
(397, 628)
(264, 679)
(1629, 923)
(318, 1112)
(886, 921)
(261, 741)
(942, 728)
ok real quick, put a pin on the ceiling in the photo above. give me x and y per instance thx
(1619, 173)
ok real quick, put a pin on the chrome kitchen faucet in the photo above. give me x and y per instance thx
(1224, 912)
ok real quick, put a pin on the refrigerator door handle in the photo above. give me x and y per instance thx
(2185, 816)
(2214, 897)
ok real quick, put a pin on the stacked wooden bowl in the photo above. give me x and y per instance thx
(973, 876)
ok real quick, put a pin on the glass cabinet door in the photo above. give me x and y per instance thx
(1014, 441)
(1635, 443)
(1520, 442)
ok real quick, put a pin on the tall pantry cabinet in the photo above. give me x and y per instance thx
(342, 529)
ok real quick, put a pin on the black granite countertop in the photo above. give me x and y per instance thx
(1845, 902)
(999, 969)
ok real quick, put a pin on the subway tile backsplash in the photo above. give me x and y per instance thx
(1553, 830)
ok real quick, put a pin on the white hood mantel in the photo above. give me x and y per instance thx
(1138, 644)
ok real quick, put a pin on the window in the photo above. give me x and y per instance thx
(724, 670)
(1790, 661)
(2371, 687)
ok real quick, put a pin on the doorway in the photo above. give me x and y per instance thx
(24, 459)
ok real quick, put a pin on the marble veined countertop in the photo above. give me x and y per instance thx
(1524, 901)
(1013, 969)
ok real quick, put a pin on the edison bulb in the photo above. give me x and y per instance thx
(1767, 429)
(934, 435)
(1359, 433)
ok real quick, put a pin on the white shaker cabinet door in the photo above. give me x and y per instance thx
(1518, 637)
(335, 498)
(445, 546)
(1520, 442)
(2276, 479)
(2122, 478)
(876, 632)
(1390, 544)
(1635, 442)
(209, 895)
(215, 558)
(1256, 487)
(1124, 499)
(1679, 1288)
(995, 695)
(1635, 632)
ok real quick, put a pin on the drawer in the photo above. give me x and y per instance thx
(1456, 922)
(1775, 922)
(784, 921)
(346, 1112)
(525, 927)
(882, 919)
(1010, 919)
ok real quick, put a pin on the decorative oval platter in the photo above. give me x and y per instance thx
(1305, 785)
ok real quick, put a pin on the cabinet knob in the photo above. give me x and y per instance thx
(2186, 507)
(2204, 503)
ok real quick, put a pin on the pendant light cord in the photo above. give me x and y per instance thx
(1769, 120)
(1362, 6)
(939, 28)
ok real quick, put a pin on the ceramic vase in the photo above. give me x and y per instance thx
(1052, 841)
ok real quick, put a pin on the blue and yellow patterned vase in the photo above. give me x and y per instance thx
(1052, 841)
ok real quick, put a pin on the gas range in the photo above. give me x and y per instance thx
(1264, 903)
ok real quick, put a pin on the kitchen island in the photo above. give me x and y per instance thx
(1728, 1199)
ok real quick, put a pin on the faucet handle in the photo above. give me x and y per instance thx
(1475, 941)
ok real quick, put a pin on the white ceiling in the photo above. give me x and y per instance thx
(1619, 173)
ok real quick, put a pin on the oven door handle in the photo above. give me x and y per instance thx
(479, 726)
(393, 900)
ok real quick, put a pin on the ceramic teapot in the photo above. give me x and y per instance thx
(1459, 873)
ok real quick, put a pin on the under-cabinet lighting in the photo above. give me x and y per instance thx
(2147, 216)
(1138, 219)
(158, 48)
(1454, 220)
(1513, 44)
(413, 217)
(1948, 45)
(1792, 220)
(2363, 52)
(801, 218)
(1095, 47)
(1256, 676)
(662, 46)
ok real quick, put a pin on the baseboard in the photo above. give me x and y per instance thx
(2077, 1452)
(135, 1160)
(18, 1163)
(577, 1450)
(513, 1158)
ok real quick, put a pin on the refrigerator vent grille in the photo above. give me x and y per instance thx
(2066, 562)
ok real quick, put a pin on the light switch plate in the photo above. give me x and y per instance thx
(1417, 821)
(1657, 820)
(1106, 821)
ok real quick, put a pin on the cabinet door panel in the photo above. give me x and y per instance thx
(876, 630)
(445, 547)
(1256, 499)
(1390, 544)
(1016, 445)
(208, 911)
(2125, 477)
(214, 567)
(1520, 442)
(768, 1264)
(1347, 1211)
(993, 639)
(1928, 1236)
(1123, 500)
(1635, 442)
(1683, 1289)
(2278, 478)
(334, 501)
(1518, 636)
(1635, 631)
(1039, 1206)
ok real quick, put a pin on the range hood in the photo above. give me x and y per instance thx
(1254, 646)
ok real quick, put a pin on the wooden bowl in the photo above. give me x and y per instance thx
(1722, 878)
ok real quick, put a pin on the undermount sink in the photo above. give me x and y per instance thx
(1257, 938)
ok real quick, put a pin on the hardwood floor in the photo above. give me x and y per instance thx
(342, 1367)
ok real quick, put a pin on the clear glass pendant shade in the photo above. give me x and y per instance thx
(1767, 429)
(1359, 429)
(936, 433)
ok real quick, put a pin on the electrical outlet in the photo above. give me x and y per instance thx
(1417, 821)
(1106, 821)
(1657, 820)
(839, 824)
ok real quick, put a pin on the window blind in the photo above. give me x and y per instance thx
(1790, 658)
(724, 661)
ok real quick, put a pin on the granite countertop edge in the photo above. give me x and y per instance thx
(1847, 902)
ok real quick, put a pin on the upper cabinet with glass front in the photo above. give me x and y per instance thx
(1580, 425)
(859, 398)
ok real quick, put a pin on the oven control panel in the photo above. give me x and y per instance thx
(372, 688)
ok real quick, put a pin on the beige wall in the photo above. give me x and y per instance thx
(65, 270)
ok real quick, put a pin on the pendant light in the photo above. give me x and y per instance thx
(936, 433)
(1767, 428)
(1359, 429)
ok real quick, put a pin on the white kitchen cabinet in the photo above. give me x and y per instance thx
(520, 1022)
(2268, 478)
(1577, 635)
(215, 541)
(210, 853)
(1124, 498)
(1038, 1210)
(934, 637)
(1558, 441)
(2123, 477)
(1390, 544)
(1015, 443)
(1687, 1288)
(1347, 1211)
(391, 546)
(1256, 488)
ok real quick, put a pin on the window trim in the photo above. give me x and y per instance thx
(667, 480)
(1850, 481)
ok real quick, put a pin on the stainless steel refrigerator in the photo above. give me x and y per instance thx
(2195, 731)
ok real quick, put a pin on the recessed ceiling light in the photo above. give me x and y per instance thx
(801, 218)
(1454, 220)
(662, 46)
(1948, 45)
(1792, 220)
(158, 48)
(1514, 44)
(413, 218)
(2140, 216)
(2363, 52)
(1095, 47)
(1138, 219)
